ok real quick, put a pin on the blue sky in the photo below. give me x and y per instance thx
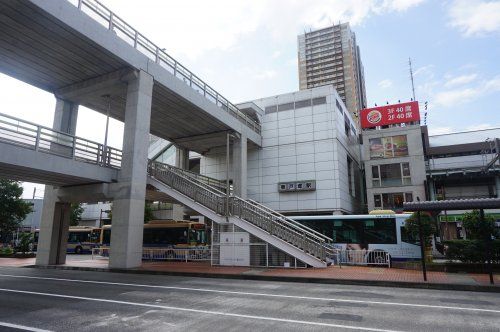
(247, 49)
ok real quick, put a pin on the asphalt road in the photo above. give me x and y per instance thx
(55, 300)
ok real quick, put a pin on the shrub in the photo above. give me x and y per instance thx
(472, 251)
(25, 242)
(476, 228)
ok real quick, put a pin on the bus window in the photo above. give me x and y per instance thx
(106, 236)
(380, 231)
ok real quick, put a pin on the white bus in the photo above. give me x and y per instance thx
(370, 232)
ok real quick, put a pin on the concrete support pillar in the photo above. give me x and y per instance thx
(432, 190)
(240, 166)
(53, 237)
(497, 185)
(182, 158)
(128, 205)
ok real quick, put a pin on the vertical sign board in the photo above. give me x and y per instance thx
(390, 114)
(235, 248)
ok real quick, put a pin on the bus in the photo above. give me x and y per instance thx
(167, 234)
(373, 233)
(81, 239)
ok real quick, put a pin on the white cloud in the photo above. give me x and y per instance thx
(481, 126)
(400, 5)
(265, 74)
(475, 17)
(440, 130)
(460, 80)
(192, 27)
(384, 84)
(276, 54)
(451, 98)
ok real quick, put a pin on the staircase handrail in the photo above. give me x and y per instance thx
(289, 220)
(247, 210)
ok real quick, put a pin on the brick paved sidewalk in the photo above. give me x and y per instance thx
(346, 273)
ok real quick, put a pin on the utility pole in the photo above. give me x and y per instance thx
(411, 77)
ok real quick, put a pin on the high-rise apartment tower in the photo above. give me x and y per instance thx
(331, 56)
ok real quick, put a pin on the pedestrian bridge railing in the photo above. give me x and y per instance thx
(126, 32)
(39, 138)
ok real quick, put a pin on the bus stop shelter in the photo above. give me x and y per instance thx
(480, 204)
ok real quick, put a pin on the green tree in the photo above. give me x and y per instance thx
(148, 213)
(13, 209)
(477, 229)
(428, 227)
(76, 214)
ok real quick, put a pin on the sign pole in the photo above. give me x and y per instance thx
(422, 248)
(488, 247)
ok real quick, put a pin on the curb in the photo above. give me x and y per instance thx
(380, 283)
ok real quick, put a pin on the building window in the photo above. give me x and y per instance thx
(390, 175)
(388, 147)
(339, 107)
(271, 109)
(350, 177)
(392, 201)
(303, 103)
(285, 107)
(347, 128)
(319, 101)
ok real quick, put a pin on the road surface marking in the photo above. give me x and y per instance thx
(22, 327)
(218, 313)
(257, 294)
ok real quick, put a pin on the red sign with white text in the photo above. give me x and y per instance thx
(390, 114)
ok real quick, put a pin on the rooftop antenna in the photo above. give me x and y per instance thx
(411, 76)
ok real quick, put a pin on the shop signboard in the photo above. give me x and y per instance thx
(390, 114)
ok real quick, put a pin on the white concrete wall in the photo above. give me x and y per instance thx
(303, 144)
(415, 158)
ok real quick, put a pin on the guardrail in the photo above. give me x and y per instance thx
(168, 254)
(362, 257)
(290, 231)
(163, 254)
(39, 138)
(113, 22)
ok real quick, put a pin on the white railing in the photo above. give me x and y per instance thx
(177, 254)
(362, 257)
(163, 254)
(290, 231)
(39, 138)
(126, 32)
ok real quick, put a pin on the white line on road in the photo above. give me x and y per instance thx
(22, 327)
(218, 313)
(258, 294)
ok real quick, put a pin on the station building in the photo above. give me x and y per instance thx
(310, 160)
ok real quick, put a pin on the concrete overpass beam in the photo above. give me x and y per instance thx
(182, 157)
(128, 205)
(240, 166)
(54, 225)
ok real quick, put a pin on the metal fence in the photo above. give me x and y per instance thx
(126, 32)
(163, 254)
(39, 138)
(361, 257)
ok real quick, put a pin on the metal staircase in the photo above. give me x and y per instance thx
(204, 194)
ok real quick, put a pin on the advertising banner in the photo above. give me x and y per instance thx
(390, 114)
